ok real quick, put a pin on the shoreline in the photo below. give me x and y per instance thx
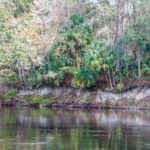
(72, 108)
(69, 98)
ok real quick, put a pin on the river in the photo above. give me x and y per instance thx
(47, 129)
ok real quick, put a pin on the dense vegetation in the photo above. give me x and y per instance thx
(74, 43)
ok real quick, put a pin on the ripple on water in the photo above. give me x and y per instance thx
(30, 144)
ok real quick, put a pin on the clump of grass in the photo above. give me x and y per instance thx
(119, 87)
(39, 100)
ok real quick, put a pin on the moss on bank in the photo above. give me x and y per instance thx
(11, 98)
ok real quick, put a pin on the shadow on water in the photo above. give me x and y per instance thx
(45, 129)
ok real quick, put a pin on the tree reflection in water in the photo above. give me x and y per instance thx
(45, 129)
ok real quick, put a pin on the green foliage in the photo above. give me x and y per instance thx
(74, 37)
(83, 77)
(83, 50)
(119, 87)
(11, 92)
(35, 78)
(100, 56)
(8, 95)
(146, 71)
(21, 6)
(135, 40)
(68, 52)
(14, 52)
(7, 75)
(14, 8)
(137, 34)
(81, 57)
(78, 54)
(39, 100)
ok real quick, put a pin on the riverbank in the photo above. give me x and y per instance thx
(69, 98)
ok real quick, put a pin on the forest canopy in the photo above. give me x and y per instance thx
(75, 43)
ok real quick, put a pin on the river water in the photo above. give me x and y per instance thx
(46, 129)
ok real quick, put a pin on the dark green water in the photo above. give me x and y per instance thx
(45, 129)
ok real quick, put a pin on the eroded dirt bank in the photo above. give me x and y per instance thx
(138, 98)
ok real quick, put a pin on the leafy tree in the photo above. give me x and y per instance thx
(101, 58)
(76, 53)
(68, 51)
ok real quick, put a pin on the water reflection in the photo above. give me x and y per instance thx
(45, 129)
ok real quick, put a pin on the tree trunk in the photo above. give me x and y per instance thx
(119, 28)
(113, 79)
(110, 81)
(139, 62)
(105, 73)
(0, 104)
(68, 7)
(21, 75)
(77, 59)
(79, 5)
